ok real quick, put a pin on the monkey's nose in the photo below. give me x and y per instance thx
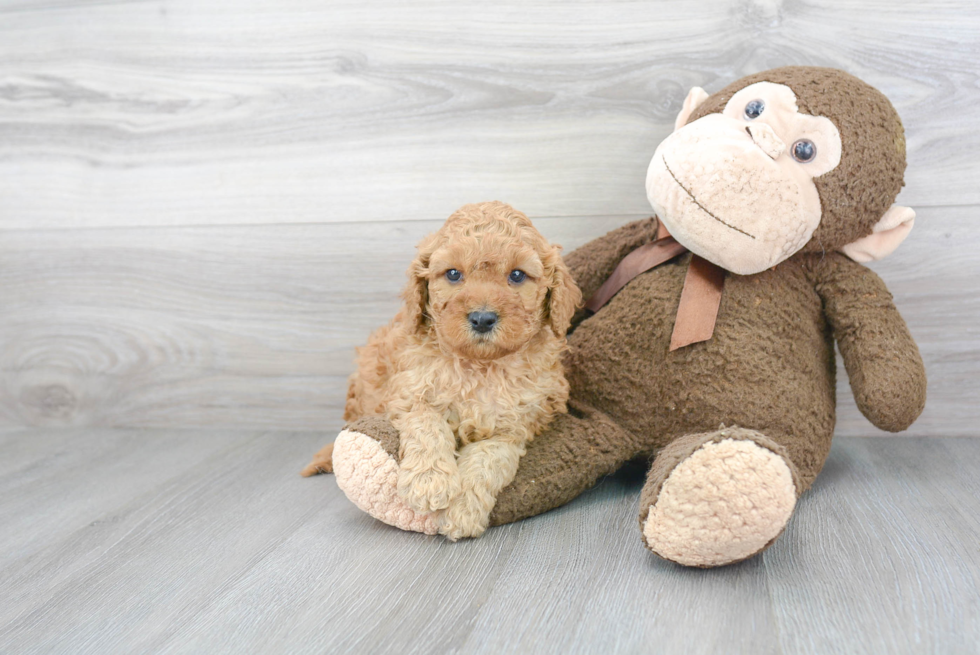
(766, 138)
(482, 321)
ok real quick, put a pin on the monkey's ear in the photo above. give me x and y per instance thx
(695, 97)
(885, 237)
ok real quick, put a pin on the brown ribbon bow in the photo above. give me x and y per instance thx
(700, 297)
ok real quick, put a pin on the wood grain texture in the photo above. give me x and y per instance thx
(245, 326)
(224, 548)
(251, 112)
(255, 326)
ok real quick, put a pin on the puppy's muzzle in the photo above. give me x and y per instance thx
(482, 322)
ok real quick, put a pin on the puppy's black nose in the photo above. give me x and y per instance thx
(482, 322)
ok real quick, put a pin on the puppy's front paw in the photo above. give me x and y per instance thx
(428, 490)
(467, 516)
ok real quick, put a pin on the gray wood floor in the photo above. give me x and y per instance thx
(119, 541)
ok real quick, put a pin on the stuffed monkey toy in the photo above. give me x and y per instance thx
(718, 363)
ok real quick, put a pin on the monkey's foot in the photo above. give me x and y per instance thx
(717, 498)
(368, 474)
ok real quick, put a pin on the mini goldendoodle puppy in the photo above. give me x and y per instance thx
(469, 370)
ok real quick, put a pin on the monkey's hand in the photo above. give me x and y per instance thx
(883, 363)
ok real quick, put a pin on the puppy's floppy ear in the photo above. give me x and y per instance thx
(416, 293)
(564, 296)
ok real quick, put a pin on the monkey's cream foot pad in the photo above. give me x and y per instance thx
(368, 475)
(724, 503)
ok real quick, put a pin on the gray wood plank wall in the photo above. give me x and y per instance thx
(204, 206)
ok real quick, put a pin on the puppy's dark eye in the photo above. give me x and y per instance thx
(517, 276)
(453, 275)
(754, 109)
(804, 150)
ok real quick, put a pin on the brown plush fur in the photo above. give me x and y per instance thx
(770, 364)
(446, 387)
(769, 369)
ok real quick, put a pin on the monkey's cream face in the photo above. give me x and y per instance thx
(737, 187)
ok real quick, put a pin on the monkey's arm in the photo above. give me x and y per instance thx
(883, 363)
(594, 262)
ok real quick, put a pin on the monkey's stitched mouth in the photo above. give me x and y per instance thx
(702, 207)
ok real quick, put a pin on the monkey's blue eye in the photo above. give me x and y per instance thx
(453, 275)
(754, 109)
(804, 150)
(517, 276)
